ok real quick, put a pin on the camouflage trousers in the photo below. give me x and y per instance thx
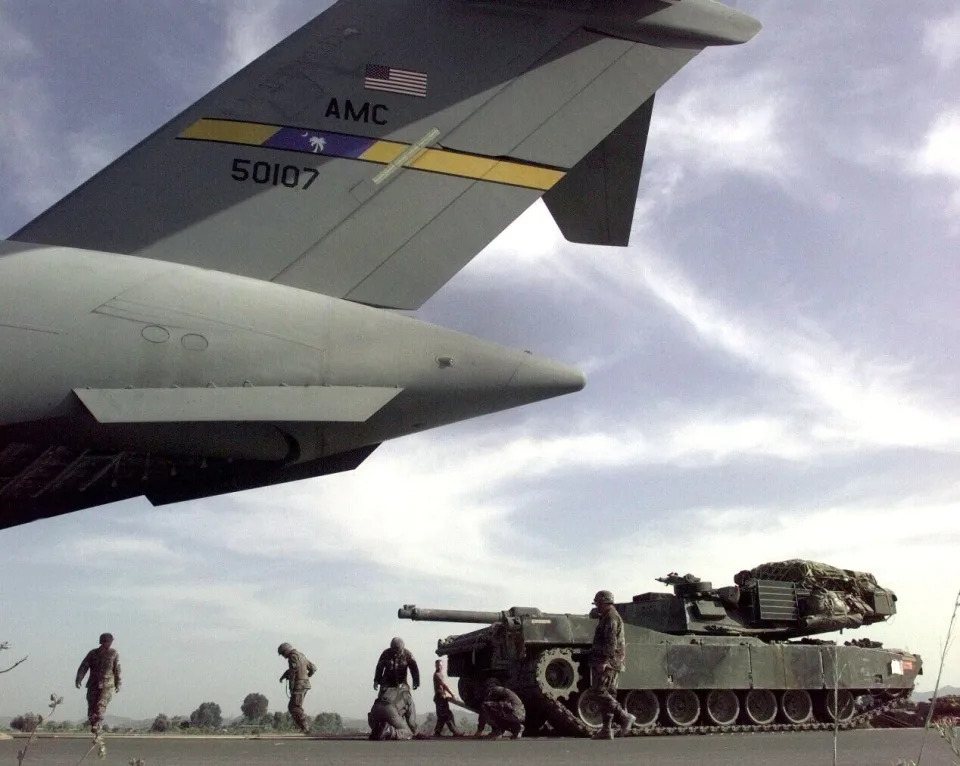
(444, 716)
(502, 716)
(392, 715)
(295, 706)
(404, 699)
(97, 700)
(604, 685)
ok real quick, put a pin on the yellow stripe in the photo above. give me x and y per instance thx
(230, 132)
(486, 169)
(524, 175)
(384, 151)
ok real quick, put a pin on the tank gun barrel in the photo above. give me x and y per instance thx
(412, 612)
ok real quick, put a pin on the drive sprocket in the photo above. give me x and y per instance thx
(557, 674)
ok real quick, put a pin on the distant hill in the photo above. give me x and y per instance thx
(118, 721)
(944, 691)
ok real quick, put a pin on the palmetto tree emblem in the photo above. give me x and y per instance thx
(317, 143)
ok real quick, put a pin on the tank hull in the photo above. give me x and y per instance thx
(677, 683)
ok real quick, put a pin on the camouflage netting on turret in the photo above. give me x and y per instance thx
(812, 574)
(836, 598)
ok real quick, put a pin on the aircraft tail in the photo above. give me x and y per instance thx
(374, 152)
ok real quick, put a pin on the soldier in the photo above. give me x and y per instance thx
(503, 710)
(104, 666)
(297, 676)
(607, 659)
(441, 696)
(390, 678)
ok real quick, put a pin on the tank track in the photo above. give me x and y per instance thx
(566, 723)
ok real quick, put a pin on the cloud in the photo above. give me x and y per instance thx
(832, 397)
(737, 128)
(114, 550)
(14, 44)
(223, 610)
(860, 401)
(941, 40)
(251, 27)
(39, 161)
(939, 153)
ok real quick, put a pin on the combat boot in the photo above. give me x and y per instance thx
(606, 731)
(518, 732)
(626, 722)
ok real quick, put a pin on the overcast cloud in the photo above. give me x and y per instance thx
(772, 370)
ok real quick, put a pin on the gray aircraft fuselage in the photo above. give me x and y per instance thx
(74, 319)
(219, 308)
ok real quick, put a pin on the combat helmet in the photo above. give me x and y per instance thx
(106, 638)
(603, 597)
(284, 649)
(396, 643)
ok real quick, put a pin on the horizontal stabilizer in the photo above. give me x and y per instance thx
(345, 404)
(594, 203)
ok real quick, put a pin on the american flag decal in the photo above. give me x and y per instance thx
(393, 80)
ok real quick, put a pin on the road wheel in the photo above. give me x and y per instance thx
(723, 707)
(796, 706)
(682, 707)
(590, 709)
(643, 704)
(838, 705)
(760, 706)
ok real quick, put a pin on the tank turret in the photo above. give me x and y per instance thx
(780, 600)
(698, 658)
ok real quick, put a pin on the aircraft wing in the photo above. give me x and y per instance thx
(374, 152)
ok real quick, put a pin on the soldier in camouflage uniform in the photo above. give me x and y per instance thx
(297, 676)
(607, 658)
(390, 678)
(103, 663)
(442, 694)
(503, 710)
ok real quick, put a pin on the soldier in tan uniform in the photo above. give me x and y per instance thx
(297, 676)
(103, 663)
(607, 660)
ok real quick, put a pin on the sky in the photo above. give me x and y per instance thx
(772, 369)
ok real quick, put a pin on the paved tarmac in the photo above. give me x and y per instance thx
(856, 748)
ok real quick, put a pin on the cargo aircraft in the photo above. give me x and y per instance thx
(217, 309)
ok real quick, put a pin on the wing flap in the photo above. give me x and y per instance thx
(264, 404)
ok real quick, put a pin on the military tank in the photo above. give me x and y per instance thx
(699, 659)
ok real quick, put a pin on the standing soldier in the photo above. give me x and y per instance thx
(441, 698)
(503, 710)
(607, 659)
(390, 678)
(104, 666)
(297, 676)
